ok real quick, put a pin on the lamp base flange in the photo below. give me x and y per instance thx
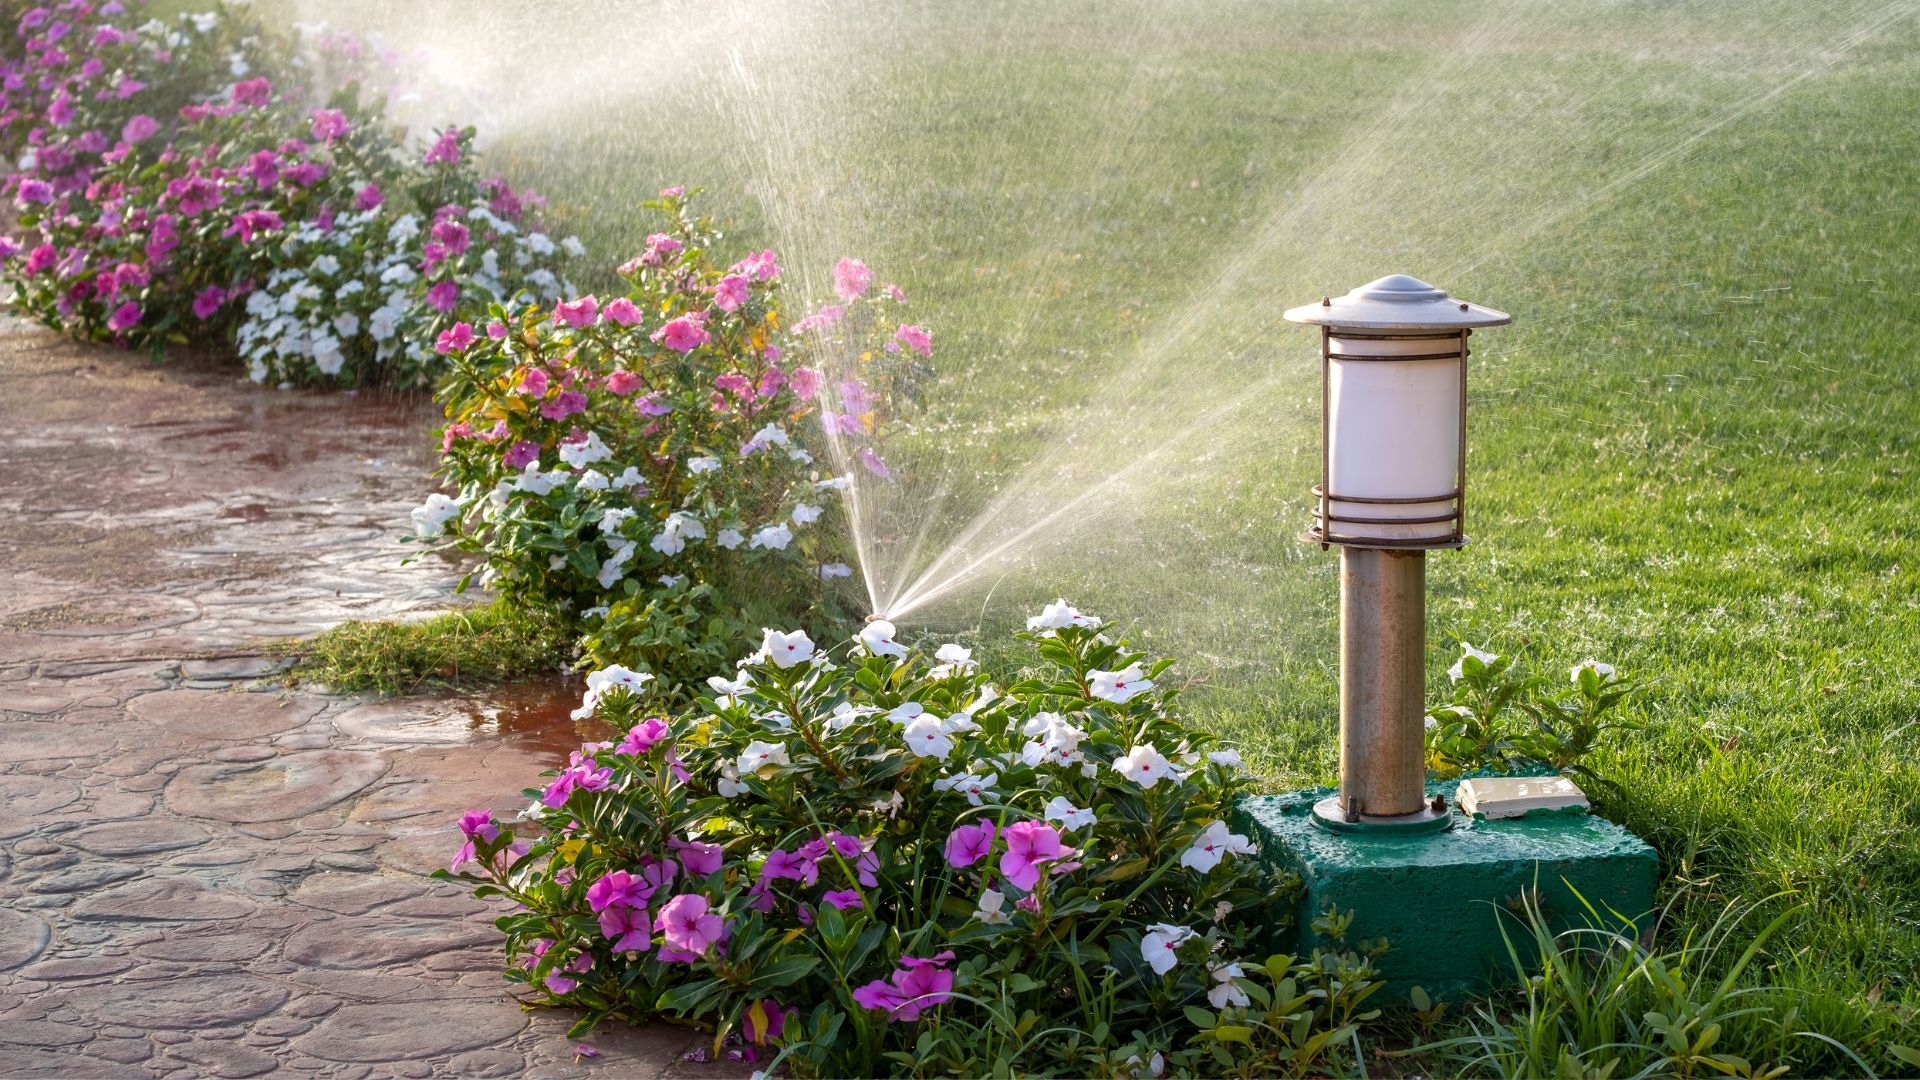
(1330, 815)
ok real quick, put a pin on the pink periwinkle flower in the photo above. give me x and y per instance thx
(762, 267)
(453, 236)
(330, 124)
(565, 404)
(622, 311)
(622, 382)
(444, 296)
(497, 330)
(33, 191)
(533, 382)
(869, 458)
(41, 259)
(916, 986)
(580, 777)
(520, 455)
(208, 302)
(700, 859)
(251, 223)
(734, 383)
(644, 736)
(917, 338)
(844, 898)
(730, 293)
(253, 92)
(446, 149)
(306, 173)
(686, 924)
(454, 339)
(660, 248)
(617, 888)
(895, 293)
(629, 928)
(672, 192)
(577, 313)
(368, 197)
(684, 334)
(758, 1033)
(968, 844)
(140, 128)
(1030, 845)
(805, 382)
(826, 318)
(851, 278)
(124, 317)
(792, 865)
(651, 405)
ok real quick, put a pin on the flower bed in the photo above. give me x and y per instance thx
(885, 863)
(208, 181)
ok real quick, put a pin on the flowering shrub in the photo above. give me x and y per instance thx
(1499, 718)
(173, 173)
(887, 864)
(635, 459)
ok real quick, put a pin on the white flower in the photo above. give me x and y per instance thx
(988, 911)
(431, 519)
(1119, 687)
(1070, 817)
(730, 688)
(906, 712)
(613, 569)
(773, 538)
(1158, 944)
(382, 323)
(326, 265)
(613, 518)
(351, 288)
(1229, 758)
(1055, 741)
(804, 514)
(926, 738)
(607, 679)
(1144, 765)
(599, 612)
(205, 21)
(534, 482)
(958, 723)
(762, 755)
(832, 570)
(846, 714)
(586, 451)
(670, 580)
(771, 435)
(398, 274)
(729, 538)
(592, 480)
(1459, 671)
(729, 784)
(347, 325)
(786, 650)
(539, 243)
(674, 533)
(1214, 844)
(877, 639)
(631, 478)
(327, 355)
(574, 246)
(1059, 615)
(833, 483)
(1224, 992)
(702, 464)
(959, 657)
(404, 228)
(975, 788)
(1605, 671)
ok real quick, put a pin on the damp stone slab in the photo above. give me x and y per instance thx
(1440, 898)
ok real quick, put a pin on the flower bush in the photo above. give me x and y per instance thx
(882, 863)
(1500, 718)
(203, 181)
(662, 462)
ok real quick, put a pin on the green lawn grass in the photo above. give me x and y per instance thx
(1692, 454)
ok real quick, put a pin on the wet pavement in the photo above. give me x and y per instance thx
(202, 872)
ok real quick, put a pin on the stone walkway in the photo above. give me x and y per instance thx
(202, 873)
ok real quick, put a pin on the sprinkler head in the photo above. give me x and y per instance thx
(876, 617)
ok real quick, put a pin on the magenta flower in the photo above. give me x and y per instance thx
(917, 985)
(844, 899)
(730, 293)
(577, 313)
(683, 334)
(622, 382)
(251, 223)
(617, 888)
(520, 455)
(790, 864)
(534, 383)
(873, 463)
(647, 405)
(761, 267)
(444, 296)
(454, 339)
(497, 331)
(1030, 845)
(253, 92)
(368, 197)
(968, 844)
(124, 317)
(672, 192)
(330, 124)
(686, 923)
(622, 311)
(446, 149)
(41, 259)
(306, 174)
(700, 859)
(453, 236)
(757, 1032)
(644, 736)
(34, 191)
(565, 404)
(734, 383)
(916, 338)
(878, 994)
(139, 128)
(851, 278)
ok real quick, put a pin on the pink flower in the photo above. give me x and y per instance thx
(874, 465)
(824, 319)
(577, 313)
(761, 267)
(520, 455)
(789, 864)
(651, 405)
(533, 382)
(917, 985)
(368, 197)
(968, 844)
(644, 736)
(700, 859)
(771, 380)
(264, 166)
(1030, 844)
(496, 331)
(895, 293)
(446, 149)
(622, 311)
(124, 317)
(34, 191)
(41, 259)
(139, 128)
(672, 192)
(730, 293)
(566, 404)
(734, 383)
(444, 296)
(306, 174)
(844, 899)
(455, 339)
(805, 382)
(622, 382)
(252, 92)
(683, 334)
(629, 928)
(251, 223)
(209, 301)
(915, 338)
(330, 124)
(757, 1032)
(454, 236)
(851, 278)
(617, 888)
(686, 924)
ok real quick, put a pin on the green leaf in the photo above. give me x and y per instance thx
(1233, 1033)
(1199, 1018)
(784, 971)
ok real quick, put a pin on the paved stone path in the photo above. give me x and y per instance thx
(202, 873)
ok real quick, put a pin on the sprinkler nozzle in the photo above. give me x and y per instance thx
(876, 617)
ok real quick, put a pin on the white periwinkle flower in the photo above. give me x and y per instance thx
(1605, 671)
(988, 910)
(927, 738)
(1459, 668)
(1070, 817)
(729, 538)
(975, 788)
(762, 755)
(605, 680)
(877, 639)
(773, 537)
(674, 533)
(431, 518)
(1224, 992)
(829, 571)
(804, 514)
(584, 452)
(1158, 944)
(1213, 845)
(702, 464)
(1119, 687)
(786, 650)
(1060, 615)
(1144, 765)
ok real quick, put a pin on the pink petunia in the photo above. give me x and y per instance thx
(851, 278)
(577, 313)
(622, 382)
(916, 338)
(730, 293)
(683, 334)
(455, 339)
(621, 311)
(686, 923)
(968, 844)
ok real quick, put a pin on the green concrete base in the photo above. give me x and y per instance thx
(1437, 898)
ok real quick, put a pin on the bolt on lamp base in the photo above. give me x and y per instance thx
(1330, 815)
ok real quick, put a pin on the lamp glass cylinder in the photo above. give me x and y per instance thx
(1393, 437)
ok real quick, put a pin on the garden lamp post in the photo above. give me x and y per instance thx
(1393, 438)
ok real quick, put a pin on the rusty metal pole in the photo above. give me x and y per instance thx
(1383, 642)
